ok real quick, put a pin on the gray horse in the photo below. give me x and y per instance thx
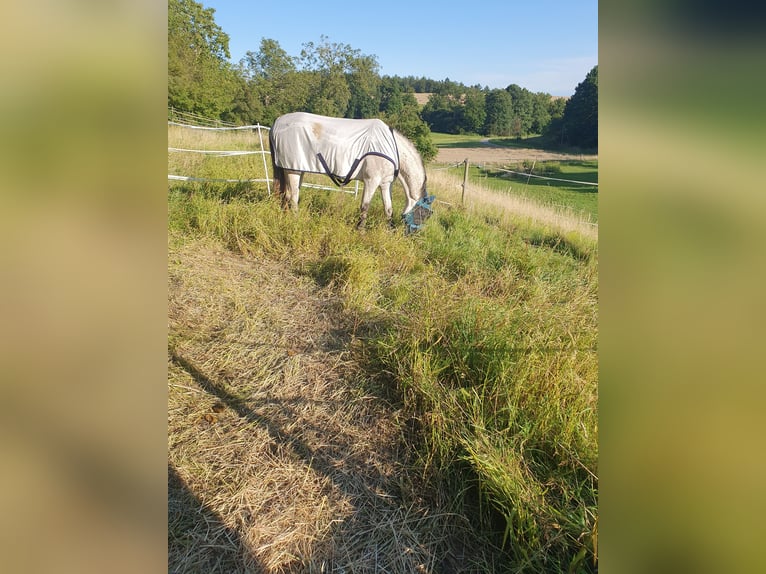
(345, 150)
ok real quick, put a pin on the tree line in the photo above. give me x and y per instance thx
(335, 79)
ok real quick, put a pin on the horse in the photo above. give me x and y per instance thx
(345, 150)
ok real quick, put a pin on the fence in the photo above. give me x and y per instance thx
(175, 115)
(465, 164)
(190, 121)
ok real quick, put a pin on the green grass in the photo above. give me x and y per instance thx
(481, 329)
(462, 140)
(580, 198)
(529, 142)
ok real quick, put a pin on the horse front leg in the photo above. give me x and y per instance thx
(366, 199)
(385, 192)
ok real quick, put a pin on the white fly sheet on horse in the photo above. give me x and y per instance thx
(334, 146)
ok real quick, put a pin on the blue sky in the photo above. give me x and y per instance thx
(542, 45)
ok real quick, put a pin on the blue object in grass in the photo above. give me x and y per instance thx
(416, 218)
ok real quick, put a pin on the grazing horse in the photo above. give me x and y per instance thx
(345, 149)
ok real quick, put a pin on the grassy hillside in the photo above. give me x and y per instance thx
(481, 329)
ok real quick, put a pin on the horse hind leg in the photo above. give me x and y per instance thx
(292, 190)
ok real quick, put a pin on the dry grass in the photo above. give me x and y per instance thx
(247, 140)
(281, 455)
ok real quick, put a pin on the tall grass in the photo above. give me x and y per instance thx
(483, 327)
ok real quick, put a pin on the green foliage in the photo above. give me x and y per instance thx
(499, 109)
(456, 114)
(522, 104)
(270, 63)
(363, 82)
(274, 83)
(580, 120)
(200, 79)
(439, 113)
(473, 114)
(541, 112)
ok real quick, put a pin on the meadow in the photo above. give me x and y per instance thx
(580, 199)
(478, 333)
(494, 174)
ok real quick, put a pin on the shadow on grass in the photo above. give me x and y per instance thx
(560, 245)
(193, 526)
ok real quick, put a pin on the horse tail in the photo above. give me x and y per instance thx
(280, 181)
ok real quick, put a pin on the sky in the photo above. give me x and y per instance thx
(541, 45)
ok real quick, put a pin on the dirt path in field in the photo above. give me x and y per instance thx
(502, 155)
(281, 455)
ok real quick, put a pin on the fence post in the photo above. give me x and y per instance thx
(465, 181)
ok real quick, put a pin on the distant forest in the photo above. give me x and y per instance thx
(337, 80)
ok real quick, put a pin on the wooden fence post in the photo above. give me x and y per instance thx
(465, 181)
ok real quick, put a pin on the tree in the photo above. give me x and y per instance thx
(271, 62)
(439, 113)
(363, 82)
(499, 109)
(247, 107)
(390, 96)
(541, 114)
(556, 107)
(200, 78)
(473, 113)
(273, 81)
(522, 104)
(325, 66)
(580, 119)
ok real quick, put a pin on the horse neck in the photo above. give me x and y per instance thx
(411, 166)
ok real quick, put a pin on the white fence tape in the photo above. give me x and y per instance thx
(225, 153)
(228, 153)
(343, 189)
(447, 167)
(253, 127)
(186, 178)
(543, 177)
(217, 152)
(196, 119)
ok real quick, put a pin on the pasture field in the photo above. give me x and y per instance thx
(581, 199)
(343, 401)
(457, 140)
(488, 157)
(531, 142)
